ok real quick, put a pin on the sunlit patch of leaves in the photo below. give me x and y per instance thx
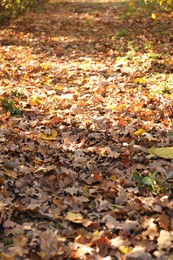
(161, 83)
(153, 56)
(148, 45)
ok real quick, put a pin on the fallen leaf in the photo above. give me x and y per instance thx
(71, 216)
(124, 250)
(139, 132)
(140, 80)
(10, 173)
(6, 256)
(20, 240)
(165, 152)
(164, 221)
(49, 136)
(49, 244)
(11, 165)
(121, 122)
(165, 239)
(153, 15)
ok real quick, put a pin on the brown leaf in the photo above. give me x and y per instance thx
(10, 173)
(49, 244)
(11, 165)
(20, 240)
(164, 221)
(66, 177)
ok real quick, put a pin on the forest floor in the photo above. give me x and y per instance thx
(86, 117)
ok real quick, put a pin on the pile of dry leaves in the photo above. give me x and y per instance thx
(86, 92)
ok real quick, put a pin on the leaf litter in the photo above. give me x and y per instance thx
(86, 133)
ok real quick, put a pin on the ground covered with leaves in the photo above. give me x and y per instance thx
(86, 117)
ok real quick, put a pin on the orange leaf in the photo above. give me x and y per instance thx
(121, 122)
(148, 112)
(130, 109)
(55, 119)
(99, 177)
(138, 106)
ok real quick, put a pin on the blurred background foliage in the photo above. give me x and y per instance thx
(162, 5)
(12, 8)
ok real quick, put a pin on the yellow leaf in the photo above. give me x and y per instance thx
(6, 256)
(165, 152)
(46, 66)
(51, 136)
(132, 3)
(139, 132)
(153, 16)
(74, 216)
(55, 39)
(124, 250)
(140, 80)
(36, 100)
(42, 254)
(59, 86)
(113, 178)
(112, 107)
(96, 233)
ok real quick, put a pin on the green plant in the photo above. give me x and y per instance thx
(9, 105)
(15, 93)
(156, 183)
